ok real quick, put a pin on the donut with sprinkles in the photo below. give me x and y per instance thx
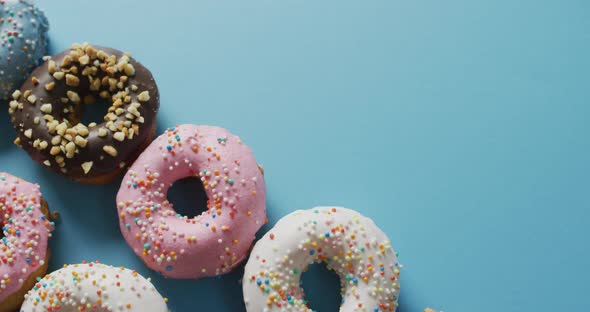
(26, 230)
(213, 242)
(347, 242)
(23, 42)
(94, 287)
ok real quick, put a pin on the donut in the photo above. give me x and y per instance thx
(93, 287)
(23, 42)
(23, 246)
(347, 242)
(213, 242)
(47, 109)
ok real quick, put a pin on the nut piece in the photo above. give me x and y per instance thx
(46, 108)
(70, 149)
(32, 99)
(84, 59)
(58, 75)
(144, 96)
(16, 95)
(29, 133)
(102, 132)
(50, 86)
(87, 166)
(119, 136)
(52, 66)
(129, 70)
(54, 150)
(110, 150)
(72, 80)
(73, 96)
(80, 141)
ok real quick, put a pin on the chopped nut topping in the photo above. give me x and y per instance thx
(50, 86)
(52, 67)
(129, 70)
(54, 150)
(67, 61)
(59, 159)
(80, 141)
(16, 95)
(70, 149)
(87, 166)
(32, 99)
(110, 150)
(73, 96)
(84, 59)
(105, 75)
(61, 128)
(55, 140)
(144, 96)
(46, 108)
(58, 75)
(82, 130)
(72, 80)
(119, 136)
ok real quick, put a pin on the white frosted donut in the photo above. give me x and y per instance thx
(94, 287)
(349, 243)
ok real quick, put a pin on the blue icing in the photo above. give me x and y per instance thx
(22, 51)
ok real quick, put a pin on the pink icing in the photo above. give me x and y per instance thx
(217, 240)
(26, 231)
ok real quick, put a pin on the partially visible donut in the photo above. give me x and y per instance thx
(46, 113)
(212, 243)
(23, 42)
(23, 247)
(347, 242)
(94, 287)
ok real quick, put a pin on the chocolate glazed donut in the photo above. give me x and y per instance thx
(46, 113)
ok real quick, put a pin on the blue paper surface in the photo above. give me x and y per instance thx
(461, 127)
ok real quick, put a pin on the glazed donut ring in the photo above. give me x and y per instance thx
(94, 287)
(217, 240)
(23, 42)
(349, 243)
(24, 246)
(46, 112)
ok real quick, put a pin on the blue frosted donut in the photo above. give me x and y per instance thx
(23, 42)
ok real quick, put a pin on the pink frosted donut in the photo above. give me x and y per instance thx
(23, 247)
(217, 240)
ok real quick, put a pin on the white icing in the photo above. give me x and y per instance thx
(349, 243)
(95, 287)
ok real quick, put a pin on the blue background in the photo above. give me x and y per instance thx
(460, 126)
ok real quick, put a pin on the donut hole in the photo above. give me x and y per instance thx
(322, 288)
(94, 111)
(188, 197)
